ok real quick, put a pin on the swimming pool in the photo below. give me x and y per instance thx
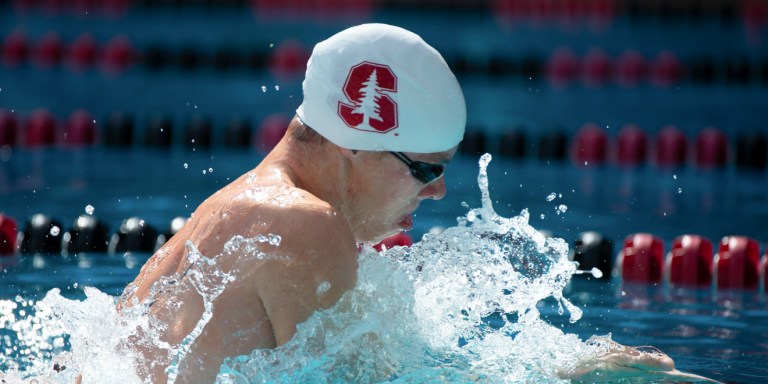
(159, 185)
(707, 333)
(503, 65)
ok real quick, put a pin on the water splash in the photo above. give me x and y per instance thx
(209, 282)
(458, 306)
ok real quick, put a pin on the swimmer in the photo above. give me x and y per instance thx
(382, 115)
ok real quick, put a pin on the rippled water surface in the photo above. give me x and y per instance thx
(490, 300)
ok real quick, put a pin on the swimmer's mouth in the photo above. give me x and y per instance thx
(407, 222)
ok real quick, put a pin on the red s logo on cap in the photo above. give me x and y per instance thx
(370, 108)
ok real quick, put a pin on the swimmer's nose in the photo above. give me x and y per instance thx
(434, 190)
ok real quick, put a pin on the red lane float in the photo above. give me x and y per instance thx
(8, 231)
(40, 129)
(642, 258)
(711, 148)
(22, 6)
(115, 8)
(601, 12)
(595, 68)
(631, 68)
(118, 54)
(562, 67)
(15, 49)
(754, 15)
(508, 12)
(80, 128)
(590, 146)
(271, 131)
(666, 69)
(736, 263)
(52, 7)
(82, 53)
(631, 146)
(8, 128)
(690, 261)
(671, 147)
(289, 59)
(566, 10)
(48, 51)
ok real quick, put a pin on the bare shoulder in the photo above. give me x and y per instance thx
(313, 262)
(292, 213)
(312, 236)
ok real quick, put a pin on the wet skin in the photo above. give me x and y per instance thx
(322, 202)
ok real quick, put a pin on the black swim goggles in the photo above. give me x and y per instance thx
(424, 172)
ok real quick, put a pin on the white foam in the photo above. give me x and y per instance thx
(418, 314)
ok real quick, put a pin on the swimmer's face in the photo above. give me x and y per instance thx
(390, 192)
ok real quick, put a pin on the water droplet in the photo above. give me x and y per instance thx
(210, 170)
(204, 171)
(679, 190)
(623, 293)
(55, 231)
(674, 177)
(74, 285)
(186, 165)
(274, 240)
(89, 209)
(323, 287)
(542, 216)
(551, 196)
(277, 87)
(597, 273)
(271, 45)
(264, 88)
(562, 208)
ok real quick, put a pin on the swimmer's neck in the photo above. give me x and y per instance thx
(318, 169)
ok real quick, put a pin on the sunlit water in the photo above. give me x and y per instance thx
(417, 314)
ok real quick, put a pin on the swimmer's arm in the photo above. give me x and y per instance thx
(623, 362)
(321, 265)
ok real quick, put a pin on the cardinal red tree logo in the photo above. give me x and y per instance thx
(370, 107)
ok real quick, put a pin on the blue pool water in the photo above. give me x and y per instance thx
(159, 185)
(716, 334)
(712, 334)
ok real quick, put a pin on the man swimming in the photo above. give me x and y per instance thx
(381, 116)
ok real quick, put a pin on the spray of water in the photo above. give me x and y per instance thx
(458, 306)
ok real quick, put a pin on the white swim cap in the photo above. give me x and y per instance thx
(377, 87)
